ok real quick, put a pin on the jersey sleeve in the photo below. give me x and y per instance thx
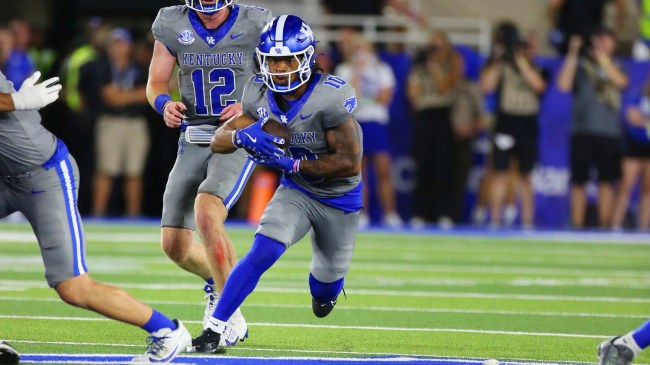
(157, 27)
(257, 17)
(249, 97)
(341, 107)
(161, 27)
(268, 18)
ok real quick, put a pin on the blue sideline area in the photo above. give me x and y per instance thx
(230, 360)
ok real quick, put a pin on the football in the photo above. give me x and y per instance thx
(278, 129)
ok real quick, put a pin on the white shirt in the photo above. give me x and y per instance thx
(375, 77)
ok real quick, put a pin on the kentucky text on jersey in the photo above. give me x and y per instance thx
(302, 137)
(216, 59)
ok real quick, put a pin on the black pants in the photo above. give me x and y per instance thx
(432, 151)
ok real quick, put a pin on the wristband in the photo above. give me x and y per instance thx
(296, 167)
(160, 103)
(235, 140)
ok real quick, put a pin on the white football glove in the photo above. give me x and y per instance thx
(32, 96)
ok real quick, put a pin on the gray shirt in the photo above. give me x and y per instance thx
(214, 64)
(596, 102)
(24, 142)
(328, 102)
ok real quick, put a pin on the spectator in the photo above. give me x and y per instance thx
(579, 17)
(89, 49)
(518, 82)
(81, 96)
(374, 83)
(6, 45)
(433, 82)
(596, 82)
(121, 131)
(636, 162)
(19, 65)
(641, 47)
(43, 56)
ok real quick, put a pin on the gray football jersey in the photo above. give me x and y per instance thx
(214, 65)
(24, 142)
(328, 102)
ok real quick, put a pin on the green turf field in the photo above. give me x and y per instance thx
(502, 298)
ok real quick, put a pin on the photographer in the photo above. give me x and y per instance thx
(518, 83)
(432, 85)
(636, 162)
(595, 81)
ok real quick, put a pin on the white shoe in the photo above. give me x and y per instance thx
(479, 216)
(164, 344)
(393, 220)
(212, 298)
(445, 222)
(417, 223)
(617, 351)
(509, 215)
(238, 324)
(236, 321)
(364, 221)
(215, 338)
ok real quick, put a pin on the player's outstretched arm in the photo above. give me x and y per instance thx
(344, 158)
(160, 72)
(31, 96)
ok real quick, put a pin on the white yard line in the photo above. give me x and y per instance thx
(30, 284)
(106, 264)
(371, 328)
(367, 308)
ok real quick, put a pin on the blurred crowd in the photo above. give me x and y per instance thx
(125, 152)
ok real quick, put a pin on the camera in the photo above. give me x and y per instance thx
(507, 35)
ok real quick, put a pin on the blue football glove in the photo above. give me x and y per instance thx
(253, 138)
(283, 163)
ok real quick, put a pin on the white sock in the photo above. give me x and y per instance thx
(629, 342)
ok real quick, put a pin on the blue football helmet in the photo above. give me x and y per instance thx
(287, 35)
(202, 7)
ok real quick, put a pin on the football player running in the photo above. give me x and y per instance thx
(321, 184)
(40, 179)
(621, 350)
(212, 42)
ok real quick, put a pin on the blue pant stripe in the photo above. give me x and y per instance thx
(66, 177)
(239, 185)
(80, 231)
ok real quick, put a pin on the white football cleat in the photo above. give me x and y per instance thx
(236, 321)
(238, 324)
(212, 298)
(164, 344)
(616, 351)
(215, 338)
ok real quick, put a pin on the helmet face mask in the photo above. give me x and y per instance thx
(286, 36)
(295, 78)
(209, 9)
